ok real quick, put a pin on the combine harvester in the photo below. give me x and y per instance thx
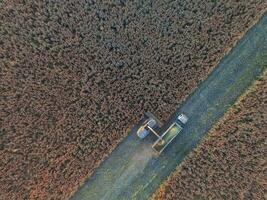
(151, 124)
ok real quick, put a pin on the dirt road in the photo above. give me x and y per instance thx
(132, 171)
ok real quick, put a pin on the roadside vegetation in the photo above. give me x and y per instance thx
(75, 76)
(230, 162)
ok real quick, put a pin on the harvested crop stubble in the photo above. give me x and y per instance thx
(230, 163)
(76, 75)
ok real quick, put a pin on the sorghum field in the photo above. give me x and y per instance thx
(75, 76)
(230, 162)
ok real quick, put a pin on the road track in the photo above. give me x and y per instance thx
(133, 171)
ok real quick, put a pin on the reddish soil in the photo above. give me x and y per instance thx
(75, 76)
(230, 163)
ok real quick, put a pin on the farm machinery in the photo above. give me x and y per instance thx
(151, 125)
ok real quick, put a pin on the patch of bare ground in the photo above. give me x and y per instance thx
(230, 162)
(75, 76)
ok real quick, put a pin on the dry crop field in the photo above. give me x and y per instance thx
(230, 162)
(75, 76)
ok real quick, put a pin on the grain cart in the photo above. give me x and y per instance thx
(164, 138)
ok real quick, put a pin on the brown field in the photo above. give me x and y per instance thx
(76, 76)
(230, 162)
